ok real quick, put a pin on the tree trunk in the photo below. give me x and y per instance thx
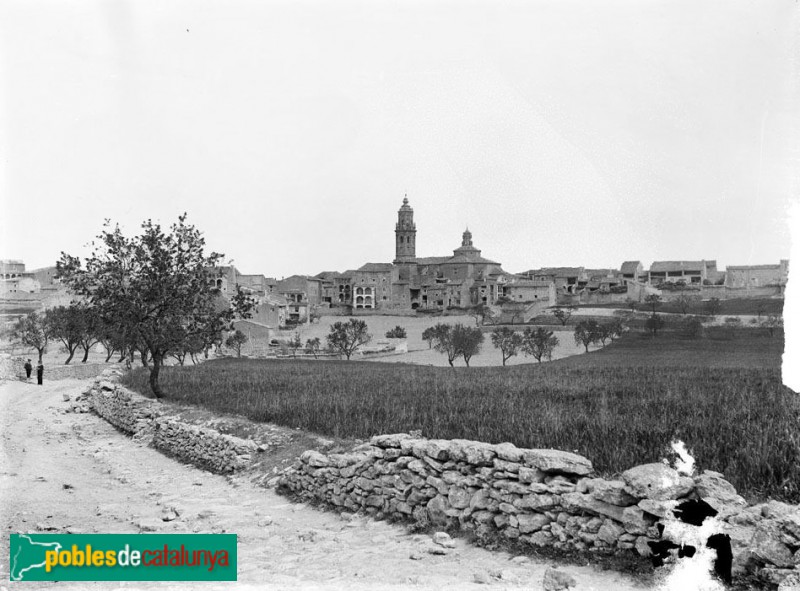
(154, 386)
(110, 353)
(85, 354)
(71, 355)
(41, 352)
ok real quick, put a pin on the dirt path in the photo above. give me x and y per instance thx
(115, 485)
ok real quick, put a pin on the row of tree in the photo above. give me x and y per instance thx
(154, 293)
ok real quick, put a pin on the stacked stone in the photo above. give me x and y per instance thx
(537, 496)
(122, 408)
(201, 446)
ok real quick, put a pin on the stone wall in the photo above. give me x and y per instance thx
(150, 421)
(545, 498)
(13, 367)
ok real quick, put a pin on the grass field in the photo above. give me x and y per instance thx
(620, 406)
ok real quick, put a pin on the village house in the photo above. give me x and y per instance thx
(744, 276)
(632, 271)
(690, 272)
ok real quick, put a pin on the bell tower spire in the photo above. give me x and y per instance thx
(405, 234)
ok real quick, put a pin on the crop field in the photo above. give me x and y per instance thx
(619, 406)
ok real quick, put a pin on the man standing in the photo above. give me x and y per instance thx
(40, 372)
(28, 369)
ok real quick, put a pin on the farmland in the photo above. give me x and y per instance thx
(619, 406)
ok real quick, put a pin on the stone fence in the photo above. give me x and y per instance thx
(13, 367)
(552, 498)
(150, 421)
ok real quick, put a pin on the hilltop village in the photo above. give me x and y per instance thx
(411, 284)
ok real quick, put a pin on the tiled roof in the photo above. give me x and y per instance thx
(376, 268)
(630, 267)
(662, 266)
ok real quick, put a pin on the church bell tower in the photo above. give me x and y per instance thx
(405, 234)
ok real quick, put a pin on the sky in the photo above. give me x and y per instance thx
(561, 132)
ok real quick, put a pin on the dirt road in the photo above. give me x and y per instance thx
(75, 473)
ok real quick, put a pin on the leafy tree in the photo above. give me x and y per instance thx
(654, 324)
(429, 335)
(508, 341)
(631, 303)
(616, 327)
(443, 341)
(685, 302)
(92, 327)
(235, 341)
(314, 345)
(563, 314)
(346, 337)
(481, 313)
(159, 286)
(604, 333)
(653, 301)
(692, 327)
(713, 307)
(67, 324)
(586, 333)
(32, 331)
(539, 343)
(467, 341)
(398, 332)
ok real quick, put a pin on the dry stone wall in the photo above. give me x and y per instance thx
(545, 498)
(150, 421)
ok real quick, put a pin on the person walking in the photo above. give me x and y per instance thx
(28, 369)
(40, 372)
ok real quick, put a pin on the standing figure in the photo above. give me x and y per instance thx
(28, 369)
(40, 372)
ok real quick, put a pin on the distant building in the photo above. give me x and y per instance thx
(632, 271)
(14, 279)
(690, 272)
(757, 275)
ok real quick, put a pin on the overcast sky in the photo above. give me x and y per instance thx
(562, 132)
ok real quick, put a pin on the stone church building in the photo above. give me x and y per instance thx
(462, 279)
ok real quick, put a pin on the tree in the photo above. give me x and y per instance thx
(159, 286)
(481, 313)
(66, 323)
(713, 307)
(631, 303)
(508, 341)
(398, 332)
(235, 341)
(616, 327)
(346, 337)
(653, 301)
(586, 333)
(772, 323)
(539, 343)
(443, 341)
(654, 324)
(429, 335)
(295, 343)
(604, 332)
(684, 302)
(92, 325)
(563, 314)
(32, 331)
(314, 345)
(467, 341)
